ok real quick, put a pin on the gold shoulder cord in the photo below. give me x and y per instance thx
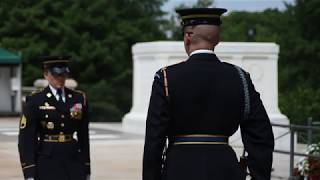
(164, 153)
(36, 91)
(165, 81)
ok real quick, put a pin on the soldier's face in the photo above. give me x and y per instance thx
(56, 81)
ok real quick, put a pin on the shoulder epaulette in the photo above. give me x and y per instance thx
(165, 79)
(236, 66)
(229, 64)
(84, 96)
(172, 65)
(37, 91)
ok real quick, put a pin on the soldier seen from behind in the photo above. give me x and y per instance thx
(53, 138)
(197, 105)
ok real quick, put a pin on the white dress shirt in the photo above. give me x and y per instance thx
(56, 95)
(199, 51)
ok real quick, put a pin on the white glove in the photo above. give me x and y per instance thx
(30, 178)
(88, 177)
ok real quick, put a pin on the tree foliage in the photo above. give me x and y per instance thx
(98, 34)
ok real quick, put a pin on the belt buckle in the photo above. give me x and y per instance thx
(61, 138)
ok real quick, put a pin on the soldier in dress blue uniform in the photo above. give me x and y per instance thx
(197, 104)
(53, 138)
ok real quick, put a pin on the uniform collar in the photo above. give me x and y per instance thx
(202, 51)
(54, 90)
(210, 57)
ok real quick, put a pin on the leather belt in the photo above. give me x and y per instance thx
(200, 139)
(58, 138)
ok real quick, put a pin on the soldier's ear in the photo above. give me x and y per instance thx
(187, 39)
(45, 73)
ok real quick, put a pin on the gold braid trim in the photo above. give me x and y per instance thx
(165, 81)
(30, 166)
(37, 91)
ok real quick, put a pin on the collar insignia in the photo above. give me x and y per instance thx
(49, 95)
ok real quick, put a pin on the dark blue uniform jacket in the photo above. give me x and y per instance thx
(44, 116)
(206, 96)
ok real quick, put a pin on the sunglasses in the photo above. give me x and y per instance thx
(58, 71)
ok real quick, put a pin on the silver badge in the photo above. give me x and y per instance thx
(50, 125)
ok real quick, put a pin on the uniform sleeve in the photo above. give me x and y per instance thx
(27, 140)
(156, 130)
(83, 136)
(257, 137)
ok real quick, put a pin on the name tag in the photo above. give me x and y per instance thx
(47, 107)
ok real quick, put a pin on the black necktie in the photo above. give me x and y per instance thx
(59, 92)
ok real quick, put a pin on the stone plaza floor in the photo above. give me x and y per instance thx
(115, 155)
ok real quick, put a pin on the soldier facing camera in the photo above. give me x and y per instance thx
(53, 138)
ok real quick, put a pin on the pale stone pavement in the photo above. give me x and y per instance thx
(114, 155)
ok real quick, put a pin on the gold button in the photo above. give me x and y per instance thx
(62, 124)
(46, 116)
(62, 116)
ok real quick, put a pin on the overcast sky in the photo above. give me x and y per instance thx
(231, 5)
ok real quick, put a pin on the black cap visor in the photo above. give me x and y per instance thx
(59, 71)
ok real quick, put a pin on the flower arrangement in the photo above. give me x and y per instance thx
(310, 166)
(76, 111)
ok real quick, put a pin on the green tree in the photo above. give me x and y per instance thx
(98, 34)
(203, 3)
(300, 62)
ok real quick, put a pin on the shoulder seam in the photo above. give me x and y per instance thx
(83, 95)
(37, 91)
(176, 64)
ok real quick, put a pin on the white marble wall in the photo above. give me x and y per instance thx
(10, 86)
(16, 87)
(259, 59)
(5, 91)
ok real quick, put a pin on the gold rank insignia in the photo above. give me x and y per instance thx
(47, 107)
(23, 122)
(50, 125)
(49, 95)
